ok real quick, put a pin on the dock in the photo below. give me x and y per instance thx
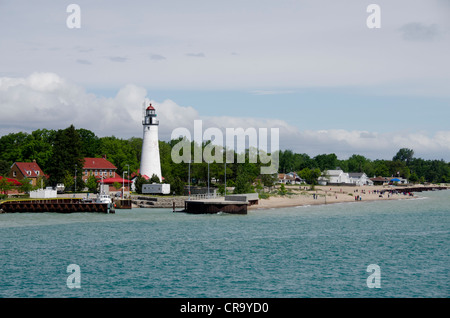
(233, 204)
(54, 205)
(123, 204)
(420, 189)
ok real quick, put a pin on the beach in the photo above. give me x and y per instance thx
(301, 196)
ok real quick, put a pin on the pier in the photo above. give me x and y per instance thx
(54, 205)
(211, 206)
(419, 189)
(233, 204)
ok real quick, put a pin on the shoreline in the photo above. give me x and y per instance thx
(324, 195)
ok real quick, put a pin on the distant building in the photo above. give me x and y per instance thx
(99, 168)
(380, 180)
(359, 178)
(289, 178)
(22, 170)
(334, 177)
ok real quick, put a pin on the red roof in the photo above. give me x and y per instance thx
(29, 169)
(14, 181)
(112, 180)
(98, 163)
(150, 107)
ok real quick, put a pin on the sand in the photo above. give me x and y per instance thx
(328, 195)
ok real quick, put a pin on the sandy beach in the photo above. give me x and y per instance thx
(301, 196)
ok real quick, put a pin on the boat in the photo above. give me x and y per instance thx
(103, 198)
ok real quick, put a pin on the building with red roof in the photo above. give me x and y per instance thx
(100, 168)
(22, 170)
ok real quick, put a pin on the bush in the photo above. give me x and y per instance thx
(263, 195)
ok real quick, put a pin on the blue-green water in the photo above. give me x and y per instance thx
(318, 251)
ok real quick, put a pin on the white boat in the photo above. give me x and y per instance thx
(103, 198)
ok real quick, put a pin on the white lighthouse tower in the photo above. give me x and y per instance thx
(150, 161)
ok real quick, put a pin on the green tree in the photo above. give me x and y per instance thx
(310, 175)
(243, 184)
(90, 143)
(326, 161)
(177, 186)
(413, 178)
(404, 155)
(92, 184)
(4, 167)
(5, 185)
(25, 185)
(356, 163)
(268, 180)
(154, 179)
(67, 156)
(140, 180)
(282, 190)
(69, 181)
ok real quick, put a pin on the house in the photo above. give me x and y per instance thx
(289, 178)
(380, 180)
(99, 168)
(359, 178)
(334, 177)
(22, 170)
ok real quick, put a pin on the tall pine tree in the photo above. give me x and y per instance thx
(67, 156)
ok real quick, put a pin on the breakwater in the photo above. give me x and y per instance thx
(420, 189)
(54, 205)
(158, 202)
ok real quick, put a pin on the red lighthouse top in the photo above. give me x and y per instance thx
(150, 107)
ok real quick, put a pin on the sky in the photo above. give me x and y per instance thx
(311, 68)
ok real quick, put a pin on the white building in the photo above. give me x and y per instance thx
(150, 160)
(360, 178)
(334, 177)
(47, 193)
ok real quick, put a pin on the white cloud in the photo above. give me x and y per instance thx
(46, 100)
(419, 32)
(293, 44)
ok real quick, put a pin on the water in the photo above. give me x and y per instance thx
(302, 252)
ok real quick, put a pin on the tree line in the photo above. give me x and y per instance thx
(60, 155)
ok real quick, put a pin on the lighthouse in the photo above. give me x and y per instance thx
(150, 161)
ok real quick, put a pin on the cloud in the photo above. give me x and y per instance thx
(196, 54)
(46, 100)
(272, 92)
(419, 32)
(157, 57)
(84, 62)
(118, 59)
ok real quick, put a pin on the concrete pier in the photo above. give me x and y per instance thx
(233, 204)
(54, 205)
(211, 206)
